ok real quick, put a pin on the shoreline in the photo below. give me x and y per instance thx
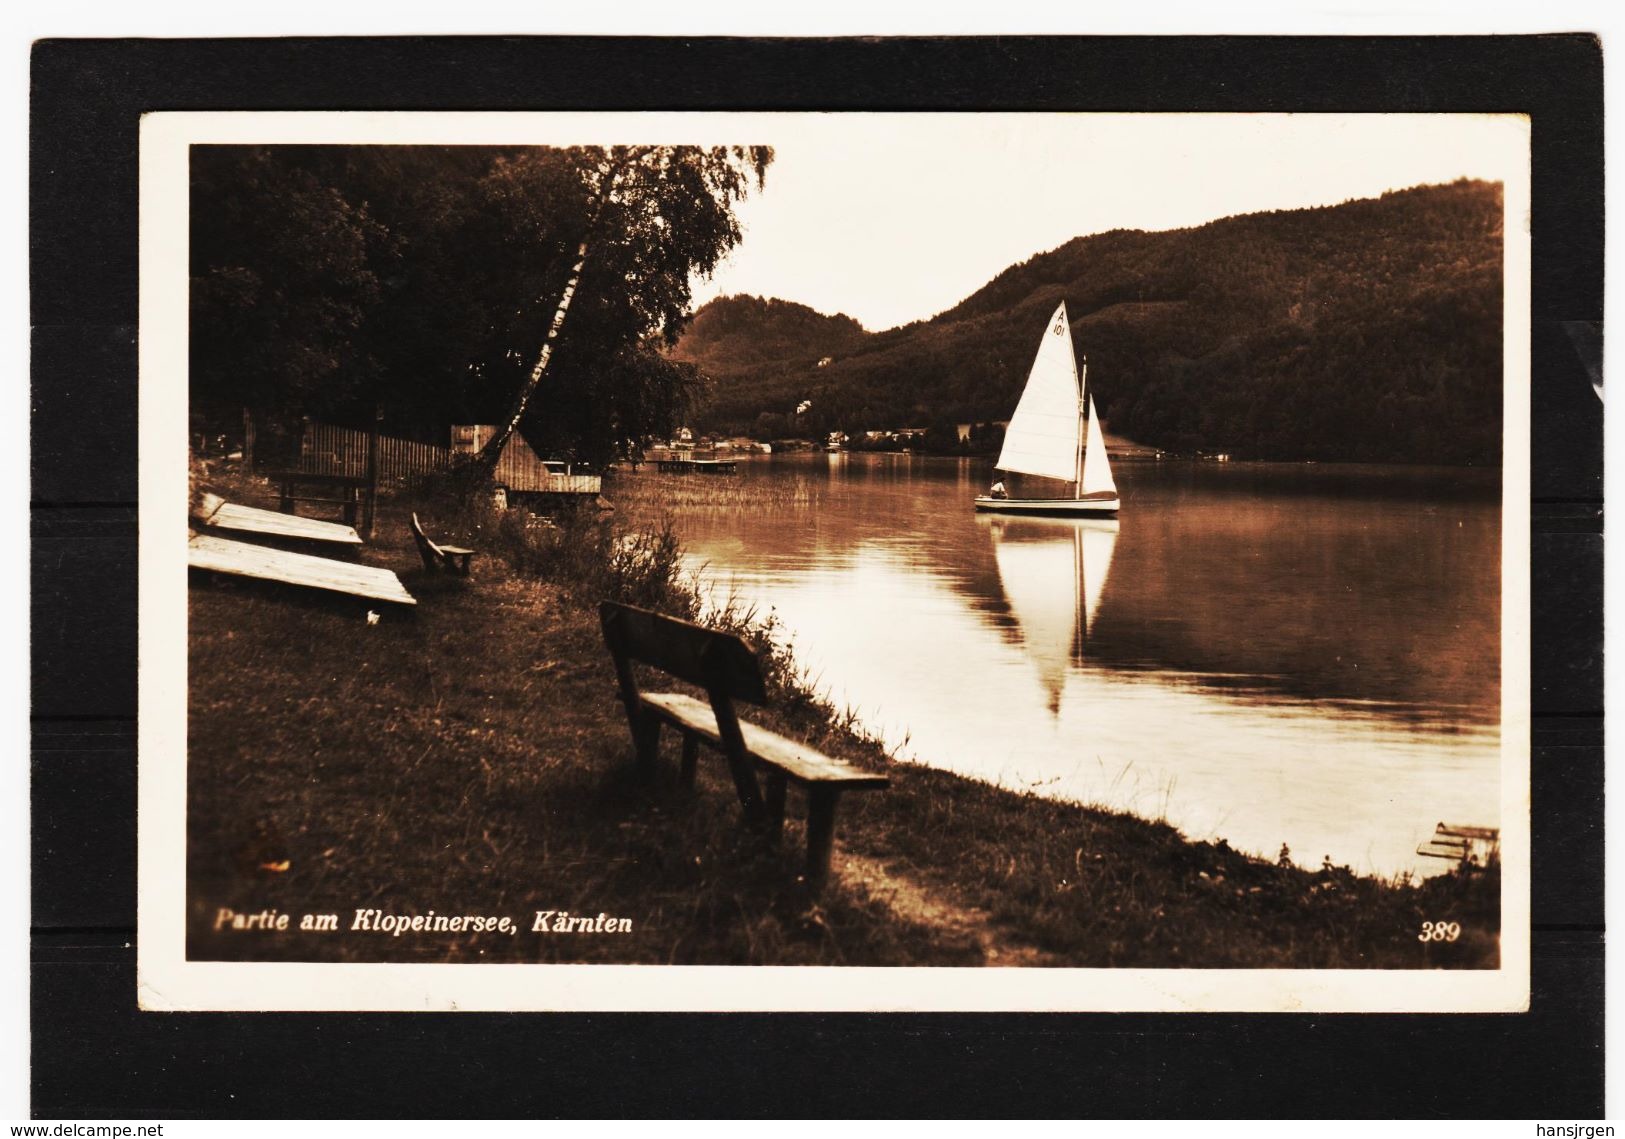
(1128, 453)
(1372, 734)
(508, 787)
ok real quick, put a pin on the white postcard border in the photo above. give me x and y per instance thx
(167, 981)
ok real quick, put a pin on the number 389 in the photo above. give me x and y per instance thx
(1439, 931)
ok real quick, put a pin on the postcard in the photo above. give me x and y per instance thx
(834, 561)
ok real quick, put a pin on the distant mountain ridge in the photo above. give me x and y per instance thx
(1367, 331)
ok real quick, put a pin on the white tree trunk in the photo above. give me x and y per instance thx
(492, 451)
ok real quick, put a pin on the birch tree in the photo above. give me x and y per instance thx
(657, 216)
(530, 287)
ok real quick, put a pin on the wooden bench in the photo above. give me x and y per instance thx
(728, 670)
(452, 559)
(1467, 846)
(343, 491)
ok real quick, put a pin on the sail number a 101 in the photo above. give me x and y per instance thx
(1439, 931)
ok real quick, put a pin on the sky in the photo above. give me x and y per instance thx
(894, 218)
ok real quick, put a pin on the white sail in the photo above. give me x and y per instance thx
(1042, 438)
(1097, 469)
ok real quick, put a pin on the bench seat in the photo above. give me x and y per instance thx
(798, 761)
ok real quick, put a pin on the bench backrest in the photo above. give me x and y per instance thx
(423, 539)
(721, 663)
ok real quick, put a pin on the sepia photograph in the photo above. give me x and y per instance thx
(835, 560)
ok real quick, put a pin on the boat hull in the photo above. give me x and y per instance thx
(1070, 507)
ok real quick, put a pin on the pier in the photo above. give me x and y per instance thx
(696, 466)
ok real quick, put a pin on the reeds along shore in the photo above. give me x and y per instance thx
(471, 758)
(649, 496)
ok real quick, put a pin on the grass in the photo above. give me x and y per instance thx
(471, 757)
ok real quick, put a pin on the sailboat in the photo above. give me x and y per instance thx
(1055, 434)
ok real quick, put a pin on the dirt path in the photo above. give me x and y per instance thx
(915, 902)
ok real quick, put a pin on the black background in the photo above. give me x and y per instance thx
(95, 1054)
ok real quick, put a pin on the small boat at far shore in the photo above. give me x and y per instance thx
(1055, 434)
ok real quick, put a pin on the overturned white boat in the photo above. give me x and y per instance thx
(1055, 434)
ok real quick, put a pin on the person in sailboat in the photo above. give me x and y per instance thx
(998, 490)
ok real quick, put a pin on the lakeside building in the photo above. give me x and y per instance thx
(526, 478)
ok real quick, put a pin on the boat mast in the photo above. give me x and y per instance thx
(1083, 413)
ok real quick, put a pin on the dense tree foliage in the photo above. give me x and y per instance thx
(757, 352)
(325, 279)
(1368, 331)
(734, 335)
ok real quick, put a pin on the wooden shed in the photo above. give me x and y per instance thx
(529, 479)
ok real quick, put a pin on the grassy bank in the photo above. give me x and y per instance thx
(470, 757)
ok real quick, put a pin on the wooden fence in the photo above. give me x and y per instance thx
(328, 449)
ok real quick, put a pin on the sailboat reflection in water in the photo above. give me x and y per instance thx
(1053, 572)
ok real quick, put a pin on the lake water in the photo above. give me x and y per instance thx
(1265, 653)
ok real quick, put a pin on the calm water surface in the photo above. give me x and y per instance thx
(1269, 654)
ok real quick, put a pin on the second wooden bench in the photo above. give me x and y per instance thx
(725, 667)
(452, 559)
(343, 491)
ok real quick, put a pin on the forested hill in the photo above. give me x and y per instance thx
(1368, 331)
(734, 337)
